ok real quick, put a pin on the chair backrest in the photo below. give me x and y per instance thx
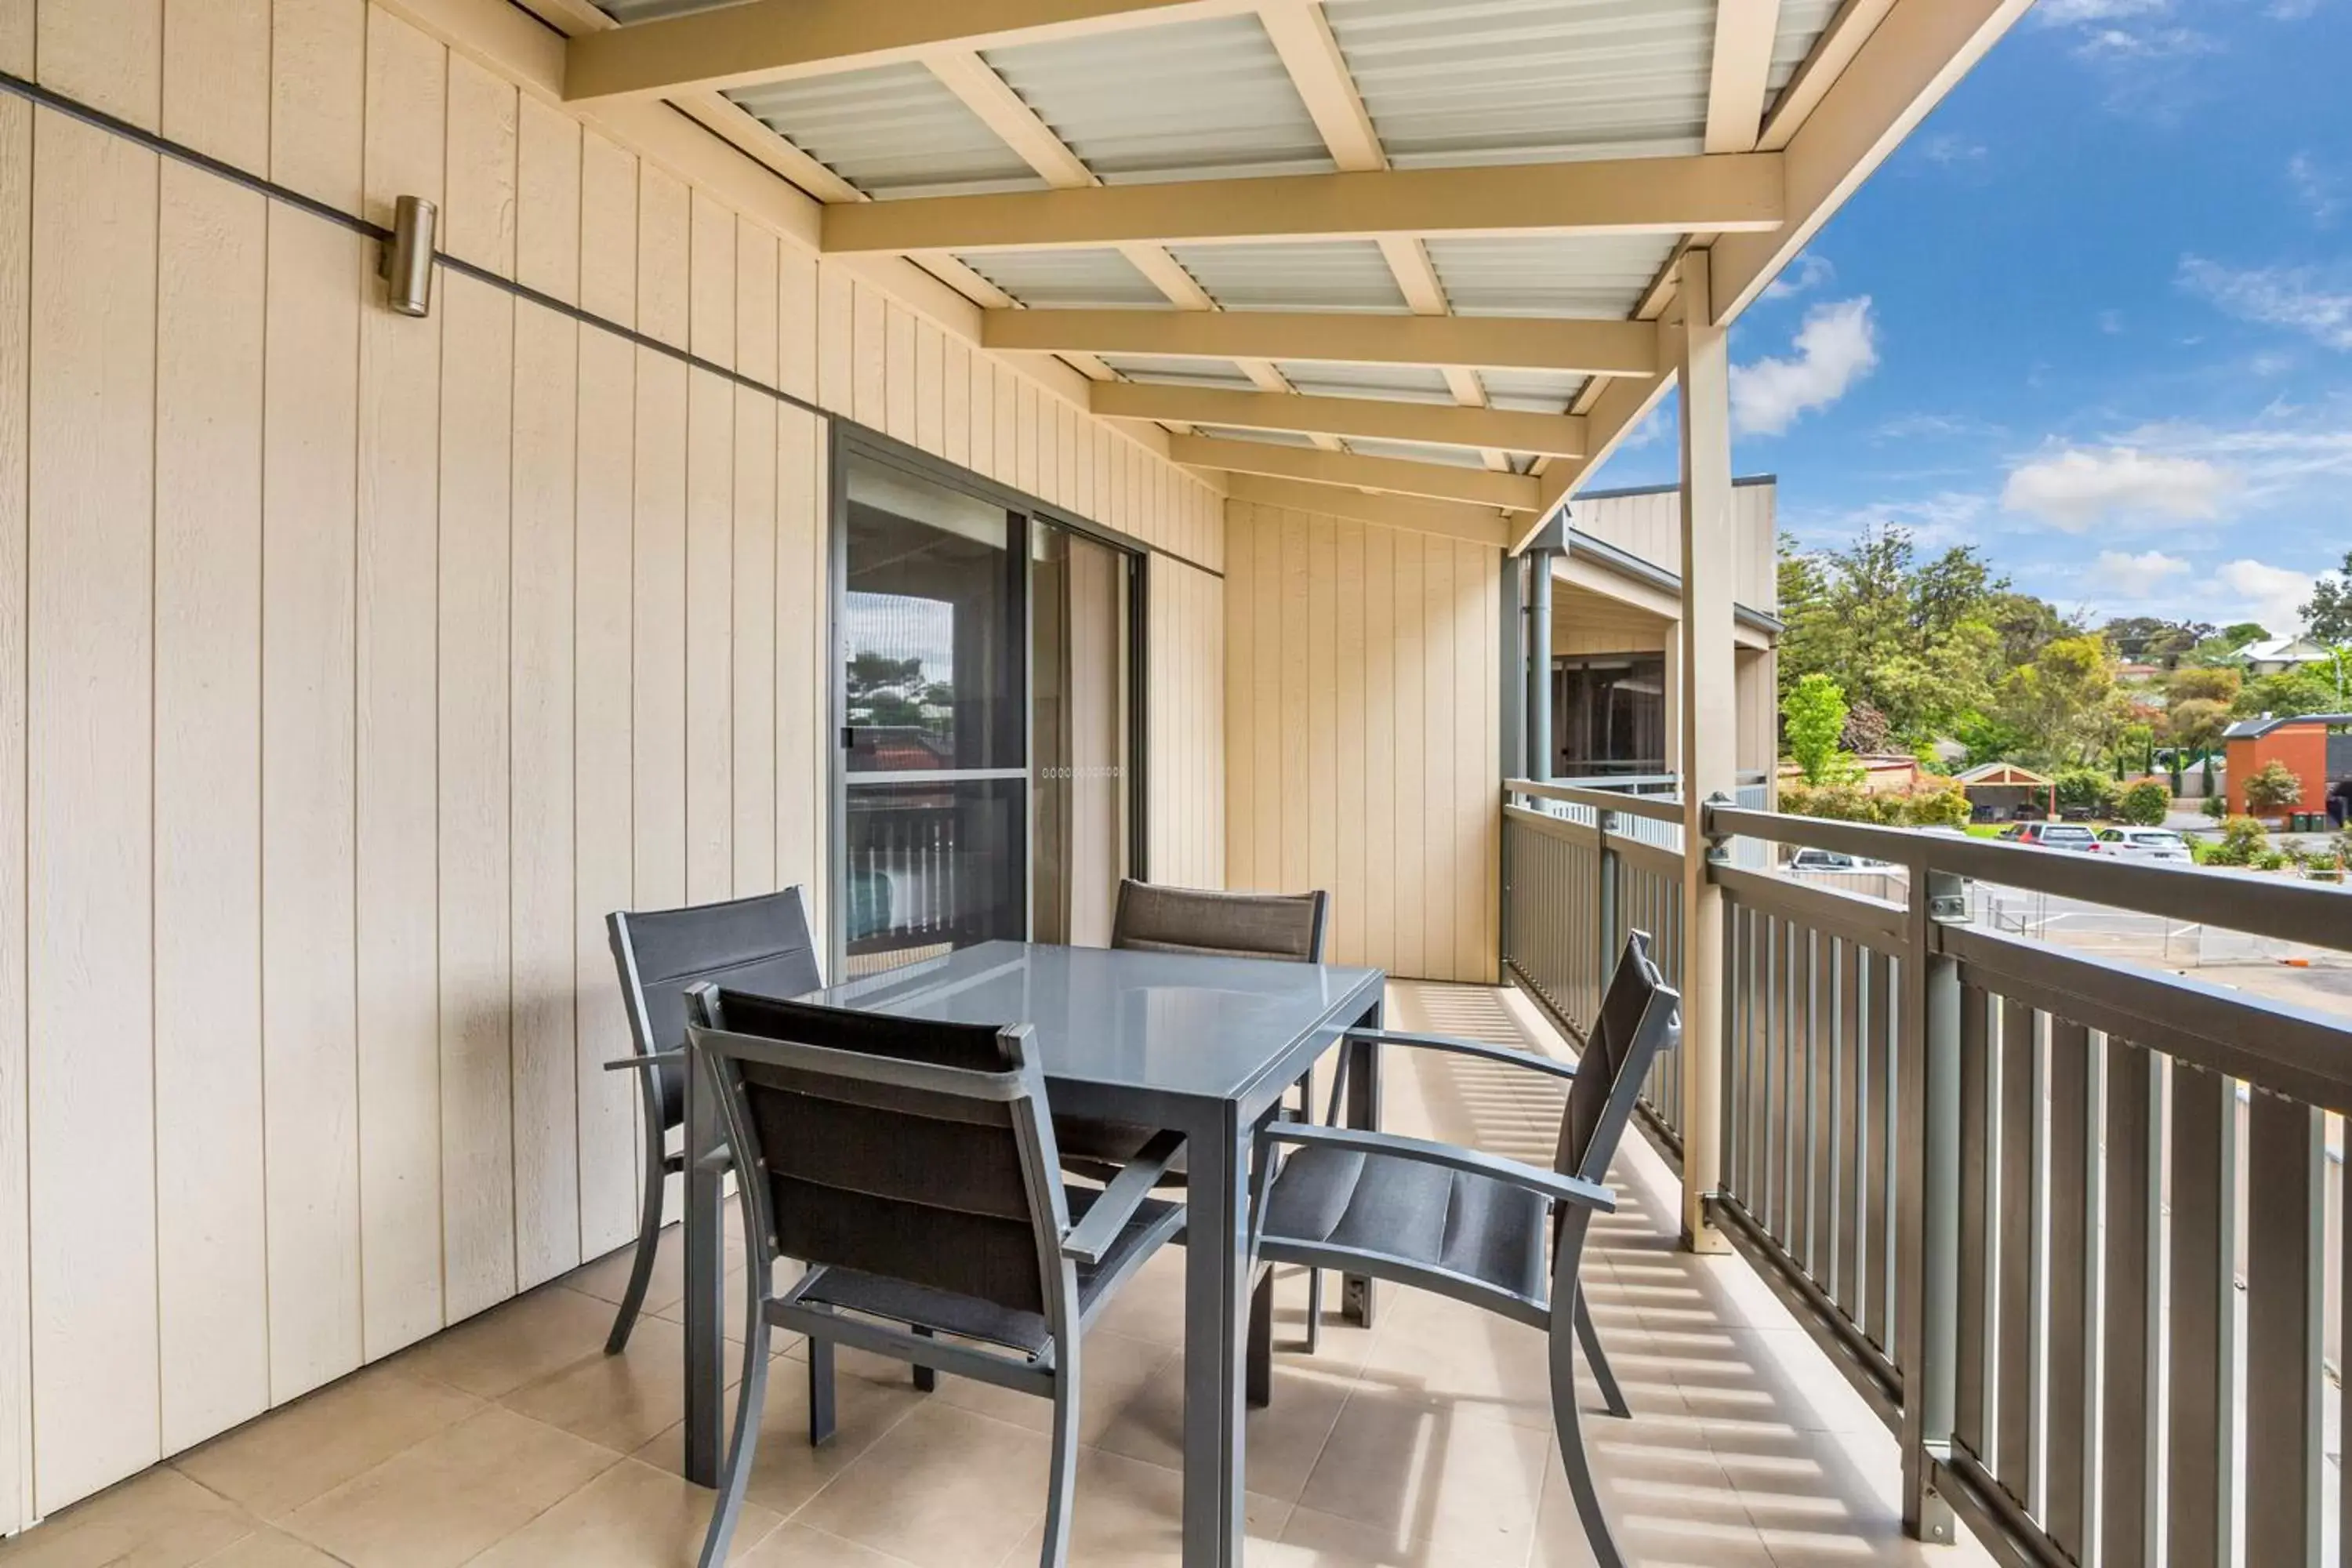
(758, 945)
(1640, 1016)
(914, 1150)
(1157, 919)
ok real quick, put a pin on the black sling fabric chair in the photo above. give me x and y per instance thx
(761, 944)
(1477, 1226)
(911, 1165)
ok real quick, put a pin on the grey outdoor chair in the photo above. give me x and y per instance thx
(911, 1165)
(1154, 918)
(762, 943)
(1476, 1227)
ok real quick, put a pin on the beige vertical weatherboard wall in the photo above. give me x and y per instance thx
(1361, 732)
(352, 667)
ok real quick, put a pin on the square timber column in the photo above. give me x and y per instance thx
(1709, 716)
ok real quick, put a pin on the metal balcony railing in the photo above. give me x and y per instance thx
(2071, 1225)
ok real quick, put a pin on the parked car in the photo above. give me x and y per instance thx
(2059, 836)
(1831, 860)
(2146, 844)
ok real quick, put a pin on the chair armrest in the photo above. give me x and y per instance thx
(1090, 1240)
(1550, 1184)
(651, 1059)
(1527, 1060)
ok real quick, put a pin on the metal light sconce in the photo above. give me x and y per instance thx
(405, 261)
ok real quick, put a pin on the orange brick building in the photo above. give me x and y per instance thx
(2301, 744)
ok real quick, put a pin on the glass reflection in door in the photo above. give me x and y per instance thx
(1079, 640)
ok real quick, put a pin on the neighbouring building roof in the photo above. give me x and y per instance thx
(2249, 729)
(2283, 650)
(2003, 773)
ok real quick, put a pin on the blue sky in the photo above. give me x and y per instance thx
(2095, 316)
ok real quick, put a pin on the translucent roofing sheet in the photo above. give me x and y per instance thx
(1417, 452)
(1160, 371)
(1594, 275)
(1507, 81)
(1270, 437)
(1074, 280)
(655, 10)
(1532, 391)
(891, 131)
(1188, 101)
(1396, 383)
(1320, 275)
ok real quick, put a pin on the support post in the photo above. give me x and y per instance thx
(1928, 1196)
(1514, 653)
(1541, 745)
(1710, 719)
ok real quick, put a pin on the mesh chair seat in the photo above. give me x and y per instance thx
(1413, 1213)
(971, 1318)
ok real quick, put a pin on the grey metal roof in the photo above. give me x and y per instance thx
(1188, 101)
(1075, 279)
(1417, 451)
(1502, 81)
(1167, 371)
(1320, 275)
(1397, 383)
(891, 131)
(1600, 275)
(655, 10)
(1532, 391)
(1802, 22)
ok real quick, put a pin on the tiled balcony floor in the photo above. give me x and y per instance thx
(1425, 1443)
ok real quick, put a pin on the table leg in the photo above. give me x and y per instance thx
(706, 1283)
(1217, 1304)
(1363, 1109)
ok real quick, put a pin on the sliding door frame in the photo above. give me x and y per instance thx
(846, 440)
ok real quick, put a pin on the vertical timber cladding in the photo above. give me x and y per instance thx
(352, 667)
(1362, 733)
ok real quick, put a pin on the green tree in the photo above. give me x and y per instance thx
(2273, 787)
(2311, 689)
(2197, 723)
(2328, 616)
(2065, 701)
(1814, 717)
(2210, 683)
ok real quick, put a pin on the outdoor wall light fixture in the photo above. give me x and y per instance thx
(406, 260)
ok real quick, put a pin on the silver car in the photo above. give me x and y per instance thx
(2146, 844)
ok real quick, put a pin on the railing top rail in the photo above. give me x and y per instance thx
(1650, 806)
(1875, 922)
(2309, 912)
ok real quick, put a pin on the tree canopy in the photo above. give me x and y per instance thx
(2328, 617)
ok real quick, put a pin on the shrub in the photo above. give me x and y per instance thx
(2215, 807)
(2272, 787)
(2245, 842)
(2145, 804)
(2087, 788)
(1944, 805)
(2270, 860)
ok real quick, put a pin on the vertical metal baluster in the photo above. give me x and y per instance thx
(2012, 1458)
(1821, 1119)
(2203, 1318)
(1975, 1308)
(2067, 1513)
(2285, 1161)
(1879, 1163)
(2126, 1467)
(1850, 1198)
(1799, 1237)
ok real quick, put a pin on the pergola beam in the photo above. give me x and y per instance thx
(1378, 419)
(772, 40)
(1450, 519)
(1393, 476)
(1589, 348)
(1736, 194)
(1738, 76)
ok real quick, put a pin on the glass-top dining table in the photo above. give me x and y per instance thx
(1203, 1045)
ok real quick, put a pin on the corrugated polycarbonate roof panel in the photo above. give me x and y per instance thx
(1319, 275)
(1194, 101)
(1223, 373)
(1073, 280)
(1532, 391)
(1802, 22)
(1516, 81)
(655, 10)
(1396, 383)
(1600, 277)
(892, 131)
(1418, 452)
(1269, 438)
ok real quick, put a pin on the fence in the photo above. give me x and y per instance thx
(2071, 1227)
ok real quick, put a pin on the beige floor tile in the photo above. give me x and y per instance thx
(1314, 1540)
(157, 1519)
(632, 1516)
(269, 1548)
(798, 1546)
(451, 1495)
(527, 1339)
(283, 1459)
(785, 1471)
(1129, 1514)
(621, 1402)
(1427, 1470)
(1113, 1371)
(1283, 1440)
(943, 1489)
(607, 1278)
(1151, 1306)
(1669, 1504)
(1430, 1347)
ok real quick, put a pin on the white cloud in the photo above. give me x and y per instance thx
(2274, 596)
(2074, 13)
(1809, 273)
(2122, 44)
(2320, 190)
(1934, 522)
(2295, 298)
(2074, 488)
(2138, 576)
(1836, 347)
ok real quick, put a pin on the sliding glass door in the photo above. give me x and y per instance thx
(984, 688)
